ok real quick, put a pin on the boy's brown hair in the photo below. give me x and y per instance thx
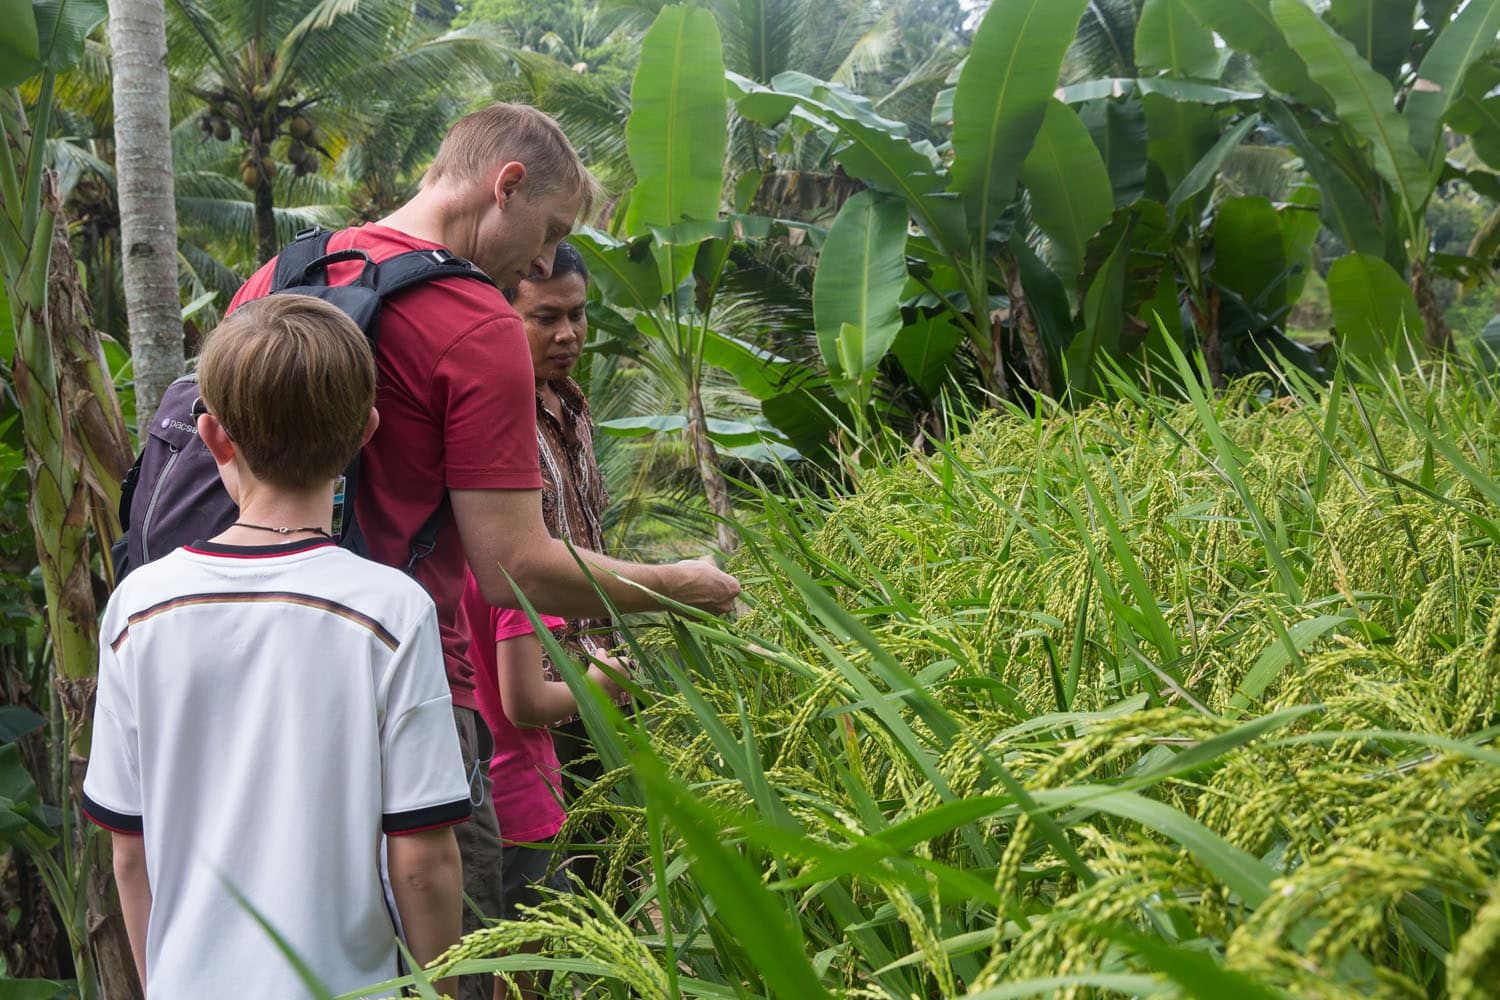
(480, 142)
(292, 380)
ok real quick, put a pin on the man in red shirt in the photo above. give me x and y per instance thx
(456, 396)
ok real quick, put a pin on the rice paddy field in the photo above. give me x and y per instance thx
(1165, 697)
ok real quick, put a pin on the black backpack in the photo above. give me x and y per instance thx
(173, 496)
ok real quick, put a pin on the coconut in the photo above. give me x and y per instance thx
(250, 176)
(221, 129)
(299, 127)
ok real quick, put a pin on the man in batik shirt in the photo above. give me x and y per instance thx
(555, 316)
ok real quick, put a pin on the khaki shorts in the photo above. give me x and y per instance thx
(479, 841)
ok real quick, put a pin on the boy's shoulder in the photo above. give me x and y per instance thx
(381, 592)
(159, 579)
(370, 583)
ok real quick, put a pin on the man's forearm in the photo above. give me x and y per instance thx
(503, 533)
(555, 584)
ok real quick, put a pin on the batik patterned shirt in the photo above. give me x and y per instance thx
(573, 501)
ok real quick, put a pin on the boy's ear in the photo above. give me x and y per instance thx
(220, 444)
(370, 426)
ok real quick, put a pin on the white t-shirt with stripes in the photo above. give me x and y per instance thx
(264, 714)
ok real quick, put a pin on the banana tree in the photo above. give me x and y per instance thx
(76, 444)
(664, 267)
(1065, 225)
(1042, 233)
(1363, 91)
(959, 213)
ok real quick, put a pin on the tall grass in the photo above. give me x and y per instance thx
(1182, 698)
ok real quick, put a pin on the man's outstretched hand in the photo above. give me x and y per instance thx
(703, 585)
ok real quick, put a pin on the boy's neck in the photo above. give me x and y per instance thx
(307, 515)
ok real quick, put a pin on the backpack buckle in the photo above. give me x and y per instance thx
(420, 550)
(447, 259)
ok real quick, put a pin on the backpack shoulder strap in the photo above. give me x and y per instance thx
(425, 539)
(309, 245)
(416, 266)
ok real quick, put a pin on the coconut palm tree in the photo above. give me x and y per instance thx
(896, 54)
(148, 215)
(290, 87)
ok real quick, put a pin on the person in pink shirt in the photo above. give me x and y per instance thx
(520, 703)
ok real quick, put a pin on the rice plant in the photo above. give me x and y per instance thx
(1160, 697)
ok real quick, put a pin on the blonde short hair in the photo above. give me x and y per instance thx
(292, 380)
(478, 143)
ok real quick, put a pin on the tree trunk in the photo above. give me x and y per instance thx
(1437, 335)
(99, 441)
(148, 213)
(97, 446)
(1213, 346)
(265, 219)
(1025, 324)
(999, 384)
(715, 487)
(51, 380)
(62, 506)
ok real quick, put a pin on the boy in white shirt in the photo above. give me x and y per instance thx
(270, 704)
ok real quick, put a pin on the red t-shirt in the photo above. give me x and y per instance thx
(457, 401)
(525, 777)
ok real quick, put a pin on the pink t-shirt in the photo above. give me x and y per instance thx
(524, 773)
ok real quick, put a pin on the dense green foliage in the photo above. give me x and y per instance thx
(1240, 657)
(1149, 681)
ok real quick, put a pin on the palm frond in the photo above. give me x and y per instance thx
(830, 32)
(1105, 43)
(760, 36)
(869, 52)
(591, 112)
(458, 62)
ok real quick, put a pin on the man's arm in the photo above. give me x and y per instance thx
(427, 881)
(135, 893)
(503, 529)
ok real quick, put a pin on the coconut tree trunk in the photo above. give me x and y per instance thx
(265, 219)
(148, 214)
(715, 487)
